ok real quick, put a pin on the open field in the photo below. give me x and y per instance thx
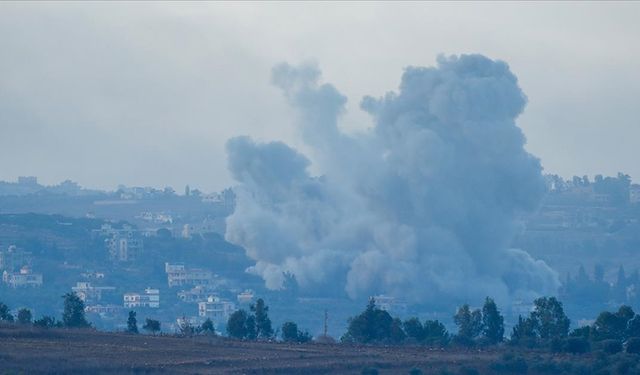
(30, 350)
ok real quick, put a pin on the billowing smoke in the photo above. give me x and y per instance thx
(424, 205)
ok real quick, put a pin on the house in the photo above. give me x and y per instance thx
(89, 293)
(104, 309)
(216, 309)
(198, 293)
(24, 278)
(178, 275)
(246, 297)
(150, 298)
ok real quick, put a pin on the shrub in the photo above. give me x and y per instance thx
(289, 332)
(151, 325)
(576, 345)
(46, 322)
(207, 327)
(611, 346)
(415, 371)
(24, 316)
(633, 345)
(369, 371)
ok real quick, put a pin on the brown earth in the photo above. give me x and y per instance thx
(31, 350)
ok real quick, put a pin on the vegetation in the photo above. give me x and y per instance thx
(24, 316)
(5, 315)
(610, 345)
(132, 323)
(47, 322)
(291, 333)
(152, 326)
(73, 315)
(207, 327)
(262, 322)
(251, 326)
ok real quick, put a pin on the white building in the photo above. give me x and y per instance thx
(217, 309)
(89, 293)
(246, 297)
(198, 293)
(390, 304)
(178, 275)
(124, 244)
(150, 298)
(103, 309)
(24, 278)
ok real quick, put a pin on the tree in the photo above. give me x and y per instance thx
(290, 332)
(73, 315)
(414, 329)
(24, 316)
(46, 322)
(492, 321)
(237, 324)
(5, 315)
(524, 329)
(263, 323)
(132, 322)
(252, 333)
(549, 319)
(469, 323)
(151, 325)
(372, 325)
(435, 333)
(207, 327)
(396, 334)
(610, 325)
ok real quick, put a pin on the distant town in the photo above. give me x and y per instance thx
(163, 254)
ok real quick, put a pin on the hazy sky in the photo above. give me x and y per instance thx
(148, 93)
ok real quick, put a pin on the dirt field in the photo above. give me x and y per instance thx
(36, 351)
(27, 350)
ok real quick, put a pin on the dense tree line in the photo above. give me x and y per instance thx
(546, 326)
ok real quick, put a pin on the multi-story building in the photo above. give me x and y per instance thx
(89, 293)
(24, 278)
(124, 245)
(150, 298)
(178, 275)
(217, 309)
(198, 293)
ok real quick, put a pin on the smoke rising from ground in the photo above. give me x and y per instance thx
(424, 205)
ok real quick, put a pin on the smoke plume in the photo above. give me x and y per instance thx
(425, 204)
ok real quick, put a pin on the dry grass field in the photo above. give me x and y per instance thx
(28, 350)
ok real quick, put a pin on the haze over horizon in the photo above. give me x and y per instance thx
(148, 94)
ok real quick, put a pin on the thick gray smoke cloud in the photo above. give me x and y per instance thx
(424, 205)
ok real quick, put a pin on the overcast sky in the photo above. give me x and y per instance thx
(148, 93)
